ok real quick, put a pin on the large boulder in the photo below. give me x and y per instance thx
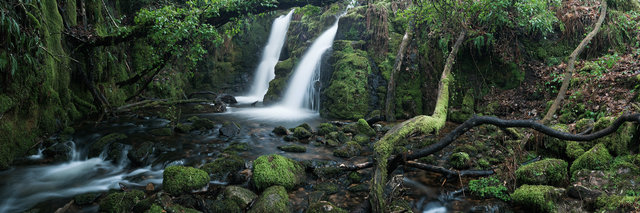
(618, 142)
(544, 172)
(596, 158)
(270, 170)
(326, 128)
(179, 179)
(239, 196)
(301, 133)
(273, 199)
(224, 168)
(360, 127)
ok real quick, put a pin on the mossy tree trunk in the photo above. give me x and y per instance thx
(422, 123)
(572, 63)
(389, 106)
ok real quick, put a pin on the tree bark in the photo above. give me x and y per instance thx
(391, 86)
(572, 62)
(422, 123)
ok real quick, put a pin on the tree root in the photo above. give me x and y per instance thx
(449, 174)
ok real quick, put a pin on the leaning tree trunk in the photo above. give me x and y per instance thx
(421, 123)
(572, 62)
(389, 106)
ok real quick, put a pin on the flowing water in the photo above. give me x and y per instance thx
(270, 56)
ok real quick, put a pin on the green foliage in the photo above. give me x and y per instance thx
(179, 179)
(488, 187)
(599, 67)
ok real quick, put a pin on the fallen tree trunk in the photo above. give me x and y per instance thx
(572, 64)
(423, 124)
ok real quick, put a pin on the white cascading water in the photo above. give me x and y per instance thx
(270, 56)
(36, 184)
(302, 98)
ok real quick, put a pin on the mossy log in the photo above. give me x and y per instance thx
(572, 64)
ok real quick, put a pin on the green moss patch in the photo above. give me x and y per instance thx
(537, 198)
(544, 172)
(273, 199)
(121, 201)
(597, 158)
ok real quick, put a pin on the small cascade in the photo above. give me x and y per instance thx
(270, 56)
(303, 89)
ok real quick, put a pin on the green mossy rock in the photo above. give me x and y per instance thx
(222, 168)
(347, 95)
(293, 148)
(583, 124)
(328, 172)
(545, 172)
(97, 147)
(301, 133)
(118, 202)
(338, 136)
(574, 149)
(273, 199)
(240, 196)
(270, 170)
(183, 128)
(597, 158)
(350, 149)
(324, 207)
(537, 198)
(360, 127)
(362, 139)
(618, 142)
(306, 126)
(224, 205)
(556, 146)
(326, 128)
(616, 203)
(162, 132)
(179, 179)
(460, 160)
(280, 130)
(86, 198)
(201, 123)
(236, 147)
(141, 154)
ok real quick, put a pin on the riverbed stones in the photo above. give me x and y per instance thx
(270, 170)
(179, 179)
(360, 127)
(350, 149)
(537, 198)
(141, 154)
(324, 206)
(326, 128)
(273, 199)
(229, 129)
(224, 168)
(58, 152)
(162, 132)
(545, 172)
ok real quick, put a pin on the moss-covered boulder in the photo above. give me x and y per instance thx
(324, 207)
(141, 154)
(328, 172)
(460, 160)
(273, 199)
(347, 95)
(306, 126)
(618, 142)
(596, 158)
(537, 198)
(326, 128)
(360, 127)
(555, 145)
(616, 203)
(270, 170)
(183, 128)
(292, 148)
(338, 136)
(301, 133)
(545, 172)
(280, 130)
(362, 139)
(239, 196)
(118, 202)
(179, 179)
(278, 85)
(96, 148)
(224, 168)
(201, 123)
(574, 149)
(349, 149)
(229, 129)
(162, 132)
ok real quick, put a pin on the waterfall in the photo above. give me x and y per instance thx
(270, 56)
(303, 90)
